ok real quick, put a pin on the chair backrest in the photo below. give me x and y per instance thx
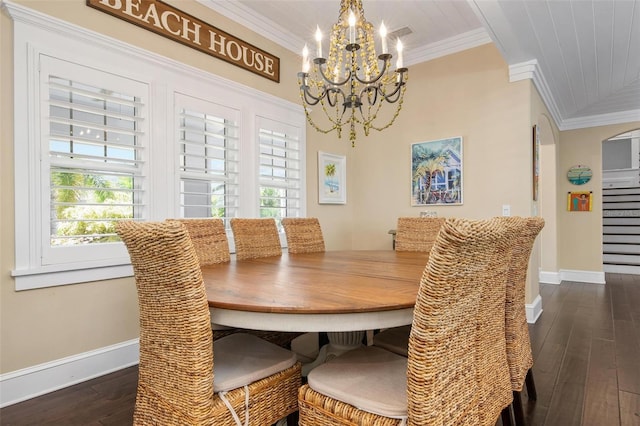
(304, 235)
(255, 238)
(209, 239)
(417, 233)
(176, 353)
(519, 353)
(449, 380)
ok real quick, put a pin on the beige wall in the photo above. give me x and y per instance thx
(580, 234)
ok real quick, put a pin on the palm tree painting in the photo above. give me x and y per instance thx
(331, 178)
(436, 171)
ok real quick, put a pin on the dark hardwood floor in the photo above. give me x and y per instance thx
(586, 347)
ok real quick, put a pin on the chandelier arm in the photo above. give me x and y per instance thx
(399, 84)
(390, 97)
(337, 92)
(385, 62)
(368, 89)
(311, 99)
(331, 82)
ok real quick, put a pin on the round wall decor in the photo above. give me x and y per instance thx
(579, 175)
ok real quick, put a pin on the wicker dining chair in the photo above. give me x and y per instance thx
(304, 234)
(209, 239)
(255, 238)
(519, 355)
(417, 233)
(452, 376)
(178, 381)
(412, 234)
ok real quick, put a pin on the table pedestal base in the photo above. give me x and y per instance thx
(339, 343)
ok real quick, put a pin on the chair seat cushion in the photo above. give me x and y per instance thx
(240, 359)
(369, 378)
(394, 339)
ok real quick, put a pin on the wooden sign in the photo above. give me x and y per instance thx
(159, 17)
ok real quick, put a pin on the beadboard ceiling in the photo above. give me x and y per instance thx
(582, 55)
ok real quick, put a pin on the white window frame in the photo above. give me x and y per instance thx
(83, 254)
(204, 106)
(37, 34)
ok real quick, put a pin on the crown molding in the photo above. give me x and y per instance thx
(600, 120)
(255, 22)
(448, 46)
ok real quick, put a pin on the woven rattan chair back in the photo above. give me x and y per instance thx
(255, 238)
(518, 342)
(417, 233)
(176, 357)
(175, 374)
(209, 239)
(448, 381)
(304, 235)
(456, 375)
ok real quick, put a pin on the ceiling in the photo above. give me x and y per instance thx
(582, 55)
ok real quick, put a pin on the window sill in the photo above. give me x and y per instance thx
(29, 279)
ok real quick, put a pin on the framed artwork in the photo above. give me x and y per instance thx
(536, 162)
(332, 178)
(580, 201)
(579, 175)
(436, 172)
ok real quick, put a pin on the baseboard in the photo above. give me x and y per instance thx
(534, 310)
(38, 380)
(549, 277)
(592, 277)
(622, 269)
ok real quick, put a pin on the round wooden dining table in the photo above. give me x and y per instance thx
(331, 291)
(342, 293)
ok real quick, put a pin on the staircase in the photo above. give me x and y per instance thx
(621, 230)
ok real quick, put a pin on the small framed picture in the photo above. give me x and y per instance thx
(580, 201)
(332, 178)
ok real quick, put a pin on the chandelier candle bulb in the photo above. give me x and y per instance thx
(305, 59)
(383, 38)
(399, 49)
(352, 28)
(319, 41)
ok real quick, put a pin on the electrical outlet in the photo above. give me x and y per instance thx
(506, 210)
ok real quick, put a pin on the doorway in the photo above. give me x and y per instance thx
(621, 203)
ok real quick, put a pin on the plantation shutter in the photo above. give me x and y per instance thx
(208, 159)
(95, 155)
(280, 170)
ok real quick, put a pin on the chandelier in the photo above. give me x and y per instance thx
(352, 83)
